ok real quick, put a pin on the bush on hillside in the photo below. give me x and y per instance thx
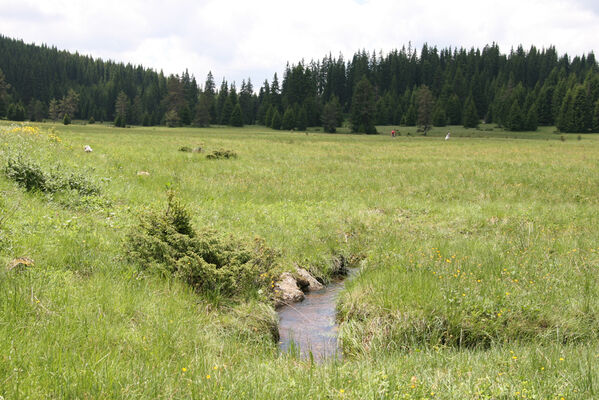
(207, 260)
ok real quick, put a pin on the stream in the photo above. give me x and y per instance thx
(310, 326)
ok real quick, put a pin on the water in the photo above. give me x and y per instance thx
(310, 326)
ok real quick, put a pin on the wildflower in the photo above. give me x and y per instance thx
(207, 376)
(184, 369)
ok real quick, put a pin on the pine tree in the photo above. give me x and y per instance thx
(439, 115)
(120, 110)
(4, 87)
(227, 110)
(363, 108)
(454, 110)
(596, 117)
(411, 116)
(172, 119)
(66, 119)
(236, 116)
(470, 119)
(426, 103)
(185, 115)
(276, 120)
(202, 113)
(532, 119)
(268, 116)
(288, 119)
(302, 119)
(329, 118)
(516, 121)
(53, 110)
(581, 110)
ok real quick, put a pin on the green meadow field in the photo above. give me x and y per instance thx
(477, 263)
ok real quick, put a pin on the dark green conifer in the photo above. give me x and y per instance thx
(236, 117)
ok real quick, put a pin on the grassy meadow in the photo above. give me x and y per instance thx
(478, 273)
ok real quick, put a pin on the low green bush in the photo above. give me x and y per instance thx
(205, 259)
(32, 176)
(220, 154)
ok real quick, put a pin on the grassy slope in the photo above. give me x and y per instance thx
(504, 212)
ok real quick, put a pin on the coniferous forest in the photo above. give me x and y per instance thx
(519, 91)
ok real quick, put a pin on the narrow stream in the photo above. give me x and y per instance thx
(310, 326)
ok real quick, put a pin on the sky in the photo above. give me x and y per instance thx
(237, 39)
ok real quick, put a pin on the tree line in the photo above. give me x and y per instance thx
(431, 87)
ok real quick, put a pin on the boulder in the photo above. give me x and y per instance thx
(287, 291)
(307, 281)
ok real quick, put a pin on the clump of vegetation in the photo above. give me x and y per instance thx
(32, 176)
(206, 259)
(185, 149)
(220, 154)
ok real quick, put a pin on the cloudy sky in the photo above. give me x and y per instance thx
(237, 39)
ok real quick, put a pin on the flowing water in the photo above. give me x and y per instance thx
(310, 326)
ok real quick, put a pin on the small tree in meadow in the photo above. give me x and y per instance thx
(276, 120)
(288, 119)
(236, 117)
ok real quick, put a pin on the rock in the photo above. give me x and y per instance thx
(143, 173)
(20, 264)
(311, 283)
(287, 291)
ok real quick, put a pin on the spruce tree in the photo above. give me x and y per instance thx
(288, 119)
(411, 117)
(454, 110)
(227, 110)
(276, 120)
(596, 117)
(236, 116)
(268, 116)
(302, 119)
(329, 117)
(439, 116)
(363, 108)
(66, 119)
(426, 103)
(185, 115)
(470, 118)
(532, 119)
(516, 120)
(202, 113)
(565, 120)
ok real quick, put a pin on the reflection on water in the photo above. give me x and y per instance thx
(310, 326)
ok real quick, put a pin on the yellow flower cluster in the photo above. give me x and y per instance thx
(23, 129)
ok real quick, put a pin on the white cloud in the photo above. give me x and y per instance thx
(238, 39)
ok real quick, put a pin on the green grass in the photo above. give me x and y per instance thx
(479, 277)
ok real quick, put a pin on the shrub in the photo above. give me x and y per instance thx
(31, 176)
(66, 120)
(219, 154)
(28, 174)
(185, 149)
(91, 120)
(206, 260)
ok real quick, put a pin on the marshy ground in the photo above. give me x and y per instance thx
(479, 263)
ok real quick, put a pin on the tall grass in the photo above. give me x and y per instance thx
(478, 278)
